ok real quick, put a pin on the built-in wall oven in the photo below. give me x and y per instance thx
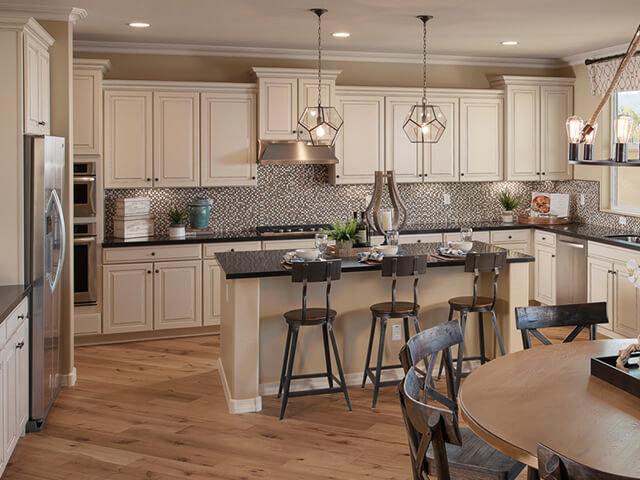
(85, 264)
(84, 189)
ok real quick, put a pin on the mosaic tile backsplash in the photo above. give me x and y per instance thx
(300, 194)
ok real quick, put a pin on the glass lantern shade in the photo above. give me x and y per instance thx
(425, 124)
(319, 125)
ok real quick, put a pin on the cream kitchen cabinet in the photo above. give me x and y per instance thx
(288, 244)
(481, 138)
(127, 298)
(228, 146)
(441, 160)
(517, 239)
(402, 156)
(87, 105)
(536, 110)
(37, 81)
(176, 138)
(600, 284)
(177, 294)
(128, 158)
(476, 236)
(545, 268)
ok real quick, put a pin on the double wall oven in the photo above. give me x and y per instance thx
(85, 239)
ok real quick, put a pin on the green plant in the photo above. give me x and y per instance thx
(178, 216)
(508, 201)
(343, 231)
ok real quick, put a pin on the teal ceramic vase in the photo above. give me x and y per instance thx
(200, 210)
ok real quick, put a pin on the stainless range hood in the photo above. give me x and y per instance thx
(272, 152)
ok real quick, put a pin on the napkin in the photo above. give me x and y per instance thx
(374, 256)
(451, 252)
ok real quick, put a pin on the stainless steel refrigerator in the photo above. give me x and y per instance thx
(45, 243)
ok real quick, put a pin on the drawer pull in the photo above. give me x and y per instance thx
(510, 237)
(153, 254)
(42, 123)
(19, 345)
(233, 250)
(20, 317)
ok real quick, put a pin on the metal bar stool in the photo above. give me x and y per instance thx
(394, 267)
(478, 263)
(306, 272)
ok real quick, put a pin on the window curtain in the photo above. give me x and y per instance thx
(602, 73)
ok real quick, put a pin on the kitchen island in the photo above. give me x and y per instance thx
(258, 290)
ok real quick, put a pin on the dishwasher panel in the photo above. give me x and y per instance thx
(571, 270)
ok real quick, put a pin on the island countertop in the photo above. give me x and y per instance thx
(256, 264)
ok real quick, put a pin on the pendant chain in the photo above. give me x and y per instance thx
(424, 61)
(319, 63)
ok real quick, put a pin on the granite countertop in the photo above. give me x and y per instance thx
(268, 263)
(10, 297)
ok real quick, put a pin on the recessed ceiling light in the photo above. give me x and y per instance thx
(139, 24)
(509, 42)
(341, 34)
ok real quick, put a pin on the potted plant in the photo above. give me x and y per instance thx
(509, 203)
(178, 218)
(343, 233)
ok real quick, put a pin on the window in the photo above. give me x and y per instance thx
(625, 181)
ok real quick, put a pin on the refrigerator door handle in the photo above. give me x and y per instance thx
(53, 280)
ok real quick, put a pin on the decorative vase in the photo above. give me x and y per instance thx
(344, 244)
(507, 216)
(177, 231)
(200, 209)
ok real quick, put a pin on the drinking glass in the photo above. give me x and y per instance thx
(322, 239)
(392, 237)
(466, 234)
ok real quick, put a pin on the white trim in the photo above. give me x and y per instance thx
(417, 92)
(44, 12)
(246, 405)
(92, 64)
(69, 379)
(217, 87)
(579, 58)
(278, 72)
(302, 54)
(500, 81)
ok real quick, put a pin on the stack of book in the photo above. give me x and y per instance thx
(133, 218)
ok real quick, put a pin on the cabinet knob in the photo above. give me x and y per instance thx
(337, 176)
(148, 272)
(153, 254)
(462, 174)
(233, 250)
(419, 241)
(148, 179)
(253, 178)
(294, 131)
(158, 271)
(537, 173)
(544, 173)
(42, 123)
(553, 256)
(19, 345)
(20, 317)
(155, 179)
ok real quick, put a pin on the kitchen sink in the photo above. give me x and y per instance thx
(624, 238)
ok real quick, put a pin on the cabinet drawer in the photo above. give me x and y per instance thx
(612, 253)
(511, 236)
(288, 244)
(87, 323)
(477, 236)
(145, 254)
(210, 249)
(421, 238)
(15, 318)
(545, 238)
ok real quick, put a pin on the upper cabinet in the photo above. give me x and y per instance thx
(87, 105)
(536, 110)
(441, 160)
(284, 93)
(402, 156)
(37, 81)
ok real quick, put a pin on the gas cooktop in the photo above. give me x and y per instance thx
(290, 230)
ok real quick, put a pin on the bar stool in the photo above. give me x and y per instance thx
(394, 267)
(477, 263)
(307, 272)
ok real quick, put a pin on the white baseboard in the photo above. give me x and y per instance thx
(69, 379)
(246, 405)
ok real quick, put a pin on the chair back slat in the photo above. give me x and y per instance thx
(318, 271)
(580, 316)
(554, 466)
(485, 262)
(404, 266)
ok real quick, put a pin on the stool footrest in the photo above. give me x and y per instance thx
(317, 391)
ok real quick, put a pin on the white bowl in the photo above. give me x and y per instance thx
(464, 246)
(387, 249)
(308, 253)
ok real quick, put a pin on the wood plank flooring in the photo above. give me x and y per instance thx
(155, 410)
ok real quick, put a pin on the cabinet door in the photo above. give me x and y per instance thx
(211, 292)
(599, 285)
(10, 407)
(523, 133)
(288, 244)
(127, 132)
(176, 134)
(545, 275)
(625, 303)
(127, 297)
(22, 376)
(481, 125)
(441, 160)
(278, 108)
(177, 294)
(44, 91)
(31, 87)
(228, 139)
(402, 156)
(360, 146)
(87, 113)
(556, 104)
(308, 94)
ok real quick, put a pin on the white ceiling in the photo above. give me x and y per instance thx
(544, 28)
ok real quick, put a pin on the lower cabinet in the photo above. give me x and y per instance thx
(545, 274)
(127, 297)
(177, 294)
(211, 286)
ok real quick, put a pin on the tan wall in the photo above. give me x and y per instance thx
(61, 55)
(237, 69)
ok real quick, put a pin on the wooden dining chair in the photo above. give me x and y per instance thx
(554, 466)
(579, 316)
(439, 448)
(425, 346)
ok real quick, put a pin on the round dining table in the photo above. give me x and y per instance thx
(547, 395)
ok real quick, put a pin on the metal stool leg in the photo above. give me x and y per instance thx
(463, 325)
(405, 325)
(481, 338)
(327, 357)
(284, 361)
(495, 327)
(416, 324)
(294, 342)
(383, 331)
(367, 363)
(339, 365)
(442, 358)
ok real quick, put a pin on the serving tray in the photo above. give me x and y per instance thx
(605, 369)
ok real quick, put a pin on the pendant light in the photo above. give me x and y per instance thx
(425, 123)
(319, 125)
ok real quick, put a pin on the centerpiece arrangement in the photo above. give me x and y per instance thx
(178, 218)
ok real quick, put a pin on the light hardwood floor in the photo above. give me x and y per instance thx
(155, 410)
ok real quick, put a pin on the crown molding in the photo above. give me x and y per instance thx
(92, 64)
(579, 58)
(302, 54)
(44, 12)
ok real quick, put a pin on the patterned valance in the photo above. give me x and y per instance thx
(602, 73)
